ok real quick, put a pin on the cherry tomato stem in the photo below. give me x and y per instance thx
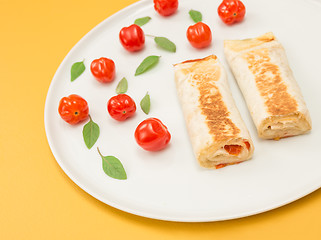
(231, 11)
(73, 109)
(121, 107)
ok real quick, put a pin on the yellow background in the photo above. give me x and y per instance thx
(37, 199)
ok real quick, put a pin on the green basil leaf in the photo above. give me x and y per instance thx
(196, 16)
(142, 21)
(165, 43)
(145, 103)
(76, 70)
(146, 64)
(90, 133)
(113, 167)
(122, 86)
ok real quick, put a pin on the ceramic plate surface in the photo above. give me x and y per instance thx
(170, 185)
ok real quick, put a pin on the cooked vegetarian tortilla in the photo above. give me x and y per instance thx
(217, 132)
(273, 97)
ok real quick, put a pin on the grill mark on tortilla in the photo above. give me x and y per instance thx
(211, 101)
(269, 83)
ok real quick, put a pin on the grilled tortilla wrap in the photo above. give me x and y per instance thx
(217, 132)
(273, 96)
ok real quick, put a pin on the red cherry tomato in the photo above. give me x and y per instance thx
(152, 135)
(73, 109)
(166, 7)
(121, 107)
(231, 11)
(132, 38)
(199, 35)
(103, 69)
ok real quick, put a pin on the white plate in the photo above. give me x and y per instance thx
(170, 185)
